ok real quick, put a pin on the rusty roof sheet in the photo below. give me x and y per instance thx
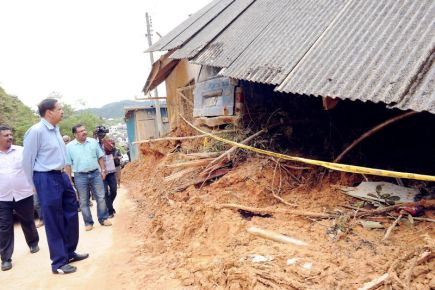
(203, 37)
(373, 52)
(281, 45)
(186, 30)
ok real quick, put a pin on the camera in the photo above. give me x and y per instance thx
(101, 130)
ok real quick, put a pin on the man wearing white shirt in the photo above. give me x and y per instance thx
(16, 193)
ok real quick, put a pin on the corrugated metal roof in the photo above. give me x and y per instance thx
(183, 32)
(422, 95)
(369, 50)
(222, 51)
(203, 37)
(373, 52)
(280, 46)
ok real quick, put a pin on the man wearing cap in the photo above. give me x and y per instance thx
(16, 194)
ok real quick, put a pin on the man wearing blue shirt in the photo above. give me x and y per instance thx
(43, 162)
(84, 157)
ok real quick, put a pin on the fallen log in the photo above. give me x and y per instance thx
(274, 236)
(426, 204)
(179, 174)
(273, 210)
(195, 163)
(180, 138)
(204, 154)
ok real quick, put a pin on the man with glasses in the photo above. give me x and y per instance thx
(43, 162)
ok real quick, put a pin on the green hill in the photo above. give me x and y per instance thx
(15, 114)
(116, 109)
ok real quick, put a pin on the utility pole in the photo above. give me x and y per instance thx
(156, 92)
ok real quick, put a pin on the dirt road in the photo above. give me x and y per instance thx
(110, 265)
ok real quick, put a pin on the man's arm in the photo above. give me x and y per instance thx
(68, 172)
(102, 167)
(30, 151)
(68, 163)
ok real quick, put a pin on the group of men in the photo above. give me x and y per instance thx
(44, 168)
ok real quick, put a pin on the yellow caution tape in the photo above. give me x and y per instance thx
(330, 165)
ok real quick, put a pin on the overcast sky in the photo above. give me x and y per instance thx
(90, 50)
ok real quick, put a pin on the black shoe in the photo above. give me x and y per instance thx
(65, 269)
(34, 249)
(78, 257)
(6, 265)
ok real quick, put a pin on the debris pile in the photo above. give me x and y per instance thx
(231, 227)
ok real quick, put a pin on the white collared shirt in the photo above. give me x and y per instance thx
(13, 182)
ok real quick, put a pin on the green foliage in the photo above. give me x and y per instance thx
(71, 118)
(15, 114)
(20, 117)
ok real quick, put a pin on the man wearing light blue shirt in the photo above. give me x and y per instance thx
(85, 159)
(43, 162)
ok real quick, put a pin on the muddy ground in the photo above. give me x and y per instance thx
(203, 246)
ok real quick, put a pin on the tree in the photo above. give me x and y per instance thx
(15, 114)
(89, 120)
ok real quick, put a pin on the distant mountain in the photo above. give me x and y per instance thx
(116, 109)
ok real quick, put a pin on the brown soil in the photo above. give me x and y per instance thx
(198, 246)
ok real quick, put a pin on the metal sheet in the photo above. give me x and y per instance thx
(281, 45)
(183, 32)
(203, 37)
(373, 52)
(214, 97)
(422, 96)
(223, 50)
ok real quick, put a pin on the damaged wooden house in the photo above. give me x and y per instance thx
(349, 81)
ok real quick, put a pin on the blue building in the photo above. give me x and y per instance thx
(142, 125)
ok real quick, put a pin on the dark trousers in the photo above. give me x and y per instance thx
(110, 189)
(24, 211)
(59, 205)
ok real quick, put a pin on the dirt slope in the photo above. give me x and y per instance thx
(209, 248)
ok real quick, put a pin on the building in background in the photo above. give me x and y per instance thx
(142, 125)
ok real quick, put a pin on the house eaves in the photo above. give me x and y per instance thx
(368, 50)
(373, 52)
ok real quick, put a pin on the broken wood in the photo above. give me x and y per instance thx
(217, 173)
(375, 283)
(180, 138)
(179, 174)
(391, 228)
(273, 210)
(203, 154)
(274, 236)
(227, 153)
(425, 256)
(371, 132)
(194, 163)
(426, 204)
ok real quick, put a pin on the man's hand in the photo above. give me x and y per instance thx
(103, 174)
